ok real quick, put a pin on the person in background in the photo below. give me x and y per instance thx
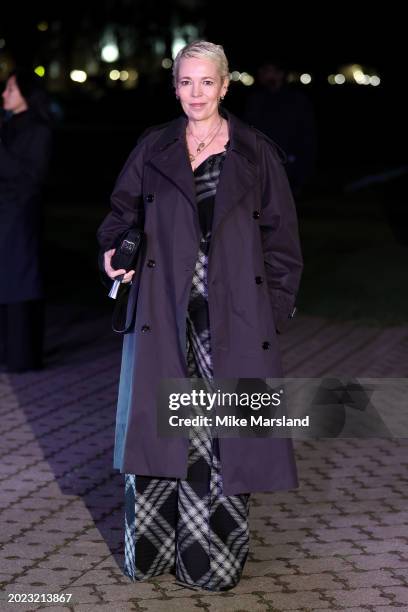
(286, 115)
(25, 147)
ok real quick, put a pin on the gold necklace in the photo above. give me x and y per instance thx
(201, 144)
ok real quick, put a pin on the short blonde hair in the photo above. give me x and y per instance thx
(205, 50)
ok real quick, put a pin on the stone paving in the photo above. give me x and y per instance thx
(339, 542)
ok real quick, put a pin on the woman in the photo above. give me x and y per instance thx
(25, 142)
(218, 278)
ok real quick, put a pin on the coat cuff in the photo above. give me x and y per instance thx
(104, 278)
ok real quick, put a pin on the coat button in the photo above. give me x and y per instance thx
(150, 197)
(151, 263)
(256, 214)
(145, 328)
(258, 280)
(266, 345)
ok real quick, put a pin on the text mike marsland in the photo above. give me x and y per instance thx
(233, 421)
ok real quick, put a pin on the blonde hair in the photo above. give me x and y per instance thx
(205, 50)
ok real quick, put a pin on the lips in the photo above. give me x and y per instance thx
(200, 105)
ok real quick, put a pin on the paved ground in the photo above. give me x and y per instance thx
(339, 542)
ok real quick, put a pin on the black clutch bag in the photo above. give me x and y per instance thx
(127, 251)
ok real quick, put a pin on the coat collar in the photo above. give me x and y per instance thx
(242, 138)
(239, 173)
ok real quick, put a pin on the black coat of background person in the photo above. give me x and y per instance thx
(286, 115)
(25, 147)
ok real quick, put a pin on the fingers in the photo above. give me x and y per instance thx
(128, 276)
(116, 273)
(107, 256)
(111, 272)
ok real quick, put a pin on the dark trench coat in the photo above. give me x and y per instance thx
(25, 147)
(254, 271)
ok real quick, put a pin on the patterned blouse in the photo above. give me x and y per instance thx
(206, 177)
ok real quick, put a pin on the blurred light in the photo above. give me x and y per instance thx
(133, 75)
(246, 79)
(356, 73)
(191, 31)
(114, 75)
(40, 70)
(159, 47)
(2, 43)
(124, 75)
(305, 78)
(332, 79)
(348, 70)
(358, 76)
(177, 45)
(54, 69)
(167, 63)
(375, 80)
(292, 77)
(79, 76)
(42, 26)
(235, 76)
(361, 78)
(339, 79)
(110, 52)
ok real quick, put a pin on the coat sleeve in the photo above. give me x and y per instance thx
(126, 202)
(279, 233)
(28, 162)
(127, 207)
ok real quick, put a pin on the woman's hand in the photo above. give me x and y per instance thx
(111, 272)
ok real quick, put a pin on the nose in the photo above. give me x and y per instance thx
(196, 89)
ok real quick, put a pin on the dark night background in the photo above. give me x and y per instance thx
(354, 241)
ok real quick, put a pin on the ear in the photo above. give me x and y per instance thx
(224, 87)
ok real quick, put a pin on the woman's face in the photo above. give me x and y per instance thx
(199, 87)
(12, 99)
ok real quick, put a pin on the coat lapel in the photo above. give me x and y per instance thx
(239, 173)
(170, 159)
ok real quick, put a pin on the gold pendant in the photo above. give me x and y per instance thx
(192, 157)
(200, 147)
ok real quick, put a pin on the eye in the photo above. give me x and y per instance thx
(184, 82)
(208, 82)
